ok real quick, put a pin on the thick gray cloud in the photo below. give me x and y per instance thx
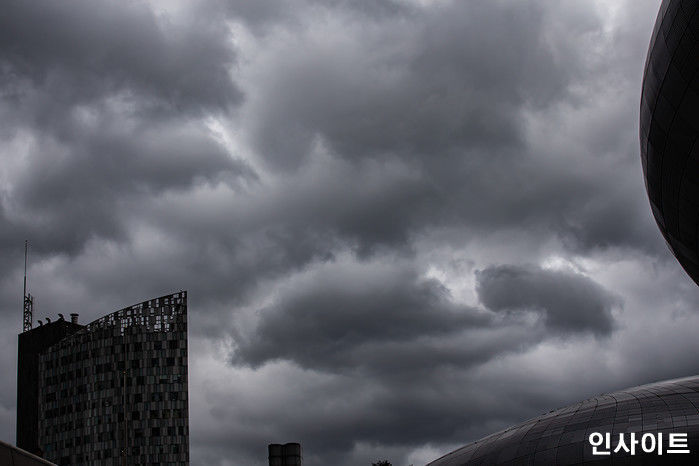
(568, 301)
(344, 187)
(368, 320)
(84, 51)
(447, 94)
(387, 321)
(100, 99)
(342, 313)
(370, 97)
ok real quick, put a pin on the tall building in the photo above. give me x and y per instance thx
(30, 346)
(108, 393)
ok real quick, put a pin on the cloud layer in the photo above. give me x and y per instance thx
(567, 301)
(402, 224)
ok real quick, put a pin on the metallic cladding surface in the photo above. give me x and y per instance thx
(669, 127)
(562, 436)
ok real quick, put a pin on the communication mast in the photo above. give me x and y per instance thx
(28, 306)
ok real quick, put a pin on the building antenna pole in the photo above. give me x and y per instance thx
(24, 295)
(27, 300)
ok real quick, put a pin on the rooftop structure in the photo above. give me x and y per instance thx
(288, 454)
(111, 392)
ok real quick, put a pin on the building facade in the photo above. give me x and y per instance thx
(31, 345)
(115, 391)
(669, 129)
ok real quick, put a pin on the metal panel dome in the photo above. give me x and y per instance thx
(669, 127)
(562, 436)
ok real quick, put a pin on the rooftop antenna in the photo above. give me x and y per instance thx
(28, 307)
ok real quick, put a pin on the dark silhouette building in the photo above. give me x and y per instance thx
(111, 392)
(31, 345)
(562, 437)
(669, 129)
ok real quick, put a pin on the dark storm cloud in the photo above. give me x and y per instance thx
(389, 140)
(82, 51)
(457, 81)
(264, 15)
(91, 181)
(388, 322)
(83, 83)
(332, 321)
(447, 92)
(568, 301)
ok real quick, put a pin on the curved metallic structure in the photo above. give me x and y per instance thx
(669, 128)
(562, 436)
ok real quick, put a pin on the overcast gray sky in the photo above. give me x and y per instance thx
(403, 224)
